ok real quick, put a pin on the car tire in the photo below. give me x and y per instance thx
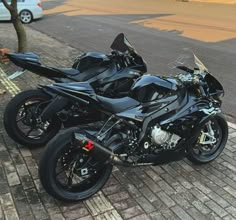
(26, 16)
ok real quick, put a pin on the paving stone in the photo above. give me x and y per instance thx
(75, 214)
(124, 204)
(181, 213)
(195, 214)
(113, 215)
(199, 195)
(47, 200)
(53, 210)
(3, 178)
(13, 179)
(39, 186)
(166, 199)
(4, 188)
(98, 204)
(186, 184)
(23, 208)
(118, 196)
(25, 152)
(56, 216)
(153, 175)
(88, 217)
(202, 188)
(169, 214)
(39, 211)
(219, 200)
(141, 217)
(156, 216)
(150, 183)
(201, 207)
(112, 189)
(16, 157)
(32, 196)
(6, 201)
(166, 187)
(145, 204)
(181, 201)
(230, 190)
(22, 169)
(131, 212)
(159, 205)
(27, 182)
(4, 156)
(232, 211)
(216, 208)
(11, 214)
(150, 196)
(9, 167)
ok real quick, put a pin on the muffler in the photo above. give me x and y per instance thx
(96, 150)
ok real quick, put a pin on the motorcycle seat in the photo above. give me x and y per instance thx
(117, 105)
(67, 71)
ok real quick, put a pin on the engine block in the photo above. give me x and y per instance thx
(164, 138)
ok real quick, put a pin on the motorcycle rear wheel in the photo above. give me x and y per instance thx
(200, 153)
(20, 119)
(64, 185)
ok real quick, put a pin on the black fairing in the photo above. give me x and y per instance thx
(149, 88)
(215, 88)
(91, 59)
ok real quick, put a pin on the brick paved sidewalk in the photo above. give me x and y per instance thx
(179, 190)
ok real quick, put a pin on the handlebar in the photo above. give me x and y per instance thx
(186, 69)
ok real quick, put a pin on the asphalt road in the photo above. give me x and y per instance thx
(158, 48)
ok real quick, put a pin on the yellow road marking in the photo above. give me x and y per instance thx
(10, 86)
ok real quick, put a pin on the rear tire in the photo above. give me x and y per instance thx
(11, 114)
(54, 153)
(204, 156)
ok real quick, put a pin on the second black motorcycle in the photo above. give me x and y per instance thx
(110, 75)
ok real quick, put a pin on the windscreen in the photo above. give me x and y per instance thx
(121, 44)
(188, 59)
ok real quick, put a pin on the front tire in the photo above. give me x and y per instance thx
(18, 122)
(205, 153)
(60, 152)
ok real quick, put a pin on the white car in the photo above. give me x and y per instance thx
(27, 9)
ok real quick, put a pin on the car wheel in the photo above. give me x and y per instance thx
(26, 16)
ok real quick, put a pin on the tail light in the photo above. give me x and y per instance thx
(39, 4)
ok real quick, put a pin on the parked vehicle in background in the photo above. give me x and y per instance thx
(28, 10)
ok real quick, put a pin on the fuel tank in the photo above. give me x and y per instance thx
(149, 88)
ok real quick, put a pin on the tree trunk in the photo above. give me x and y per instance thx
(20, 31)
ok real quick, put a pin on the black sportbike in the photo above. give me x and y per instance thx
(162, 120)
(109, 75)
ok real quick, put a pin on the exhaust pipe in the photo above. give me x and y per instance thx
(96, 150)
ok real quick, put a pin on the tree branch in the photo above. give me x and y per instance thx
(14, 3)
(9, 7)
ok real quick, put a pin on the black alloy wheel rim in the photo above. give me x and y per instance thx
(27, 119)
(67, 170)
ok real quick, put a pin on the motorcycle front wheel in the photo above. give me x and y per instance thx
(211, 141)
(21, 119)
(67, 173)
